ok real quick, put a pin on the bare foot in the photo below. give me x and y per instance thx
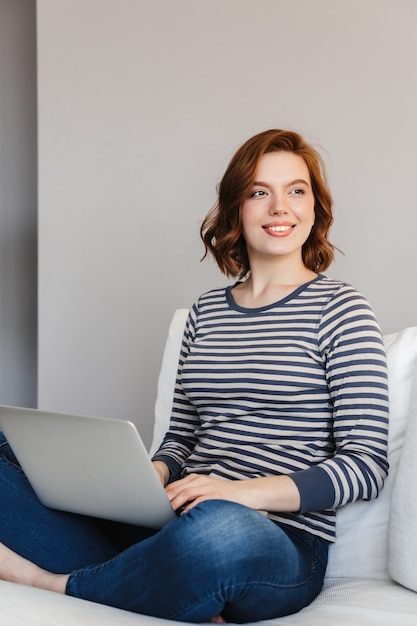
(217, 620)
(16, 569)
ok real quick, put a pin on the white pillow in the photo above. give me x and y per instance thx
(167, 376)
(361, 546)
(402, 528)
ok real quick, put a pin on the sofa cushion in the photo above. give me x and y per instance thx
(402, 531)
(167, 376)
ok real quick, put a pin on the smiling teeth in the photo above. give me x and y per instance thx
(278, 228)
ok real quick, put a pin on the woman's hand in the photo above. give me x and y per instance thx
(274, 493)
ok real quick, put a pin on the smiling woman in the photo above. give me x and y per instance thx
(280, 407)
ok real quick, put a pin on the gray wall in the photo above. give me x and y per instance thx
(141, 105)
(18, 202)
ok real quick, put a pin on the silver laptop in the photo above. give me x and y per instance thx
(89, 465)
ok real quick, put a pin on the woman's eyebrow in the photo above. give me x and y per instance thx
(297, 181)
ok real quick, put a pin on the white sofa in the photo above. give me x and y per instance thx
(372, 574)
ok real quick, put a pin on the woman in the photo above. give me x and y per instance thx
(279, 417)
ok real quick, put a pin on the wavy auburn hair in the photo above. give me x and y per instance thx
(221, 230)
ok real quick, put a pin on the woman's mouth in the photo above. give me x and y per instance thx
(278, 229)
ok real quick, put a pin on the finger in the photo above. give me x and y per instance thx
(179, 485)
(188, 494)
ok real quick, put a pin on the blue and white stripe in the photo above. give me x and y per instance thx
(298, 387)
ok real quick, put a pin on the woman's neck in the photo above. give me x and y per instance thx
(264, 288)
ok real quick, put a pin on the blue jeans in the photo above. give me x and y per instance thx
(219, 558)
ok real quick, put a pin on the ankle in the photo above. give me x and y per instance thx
(16, 569)
(50, 582)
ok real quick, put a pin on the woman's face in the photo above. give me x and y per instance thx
(278, 213)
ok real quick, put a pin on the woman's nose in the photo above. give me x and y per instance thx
(277, 206)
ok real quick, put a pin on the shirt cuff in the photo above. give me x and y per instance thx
(173, 466)
(316, 489)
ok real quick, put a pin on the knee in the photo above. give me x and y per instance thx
(215, 518)
(223, 532)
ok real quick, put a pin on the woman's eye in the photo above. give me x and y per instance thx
(257, 193)
(298, 192)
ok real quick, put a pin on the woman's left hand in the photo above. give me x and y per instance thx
(189, 491)
(275, 493)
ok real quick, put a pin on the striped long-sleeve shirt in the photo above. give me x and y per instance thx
(298, 387)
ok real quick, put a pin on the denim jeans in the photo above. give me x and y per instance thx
(219, 558)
